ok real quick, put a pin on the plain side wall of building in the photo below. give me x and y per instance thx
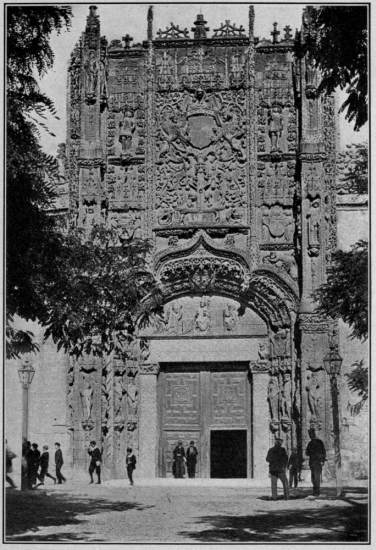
(353, 225)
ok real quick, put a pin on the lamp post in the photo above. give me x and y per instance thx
(332, 364)
(26, 374)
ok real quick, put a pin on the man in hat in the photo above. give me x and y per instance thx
(130, 461)
(317, 455)
(95, 461)
(191, 456)
(277, 458)
(44, 462)
(59, 464)
(178, 469)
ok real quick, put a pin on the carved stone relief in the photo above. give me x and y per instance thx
(277, 225)
(203, 316)
(201, 150)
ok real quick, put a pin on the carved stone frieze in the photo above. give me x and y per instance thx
(313, 322)
(150, 368)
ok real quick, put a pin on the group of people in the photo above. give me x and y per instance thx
(35, 464)
(96, 461)
(182, 457)
(279, 460)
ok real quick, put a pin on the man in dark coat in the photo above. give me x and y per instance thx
(191, 456)
(59, 463)
(44, 461)
(130, 461)
(178, 468)
(34, 458)
(95, 462)
(277, 458)
(317, 456)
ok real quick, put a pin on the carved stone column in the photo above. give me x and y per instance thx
(148, 421)
(259, 372)
(314, 346)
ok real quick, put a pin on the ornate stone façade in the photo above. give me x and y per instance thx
(215, 146)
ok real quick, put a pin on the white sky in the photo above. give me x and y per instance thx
(119, 19)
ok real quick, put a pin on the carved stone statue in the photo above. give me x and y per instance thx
(313, 220)
(273, 397)
(202, 317)
(313, 395)
(174, 317)
(118, 395)
(263, 352)
(285, 403)
(87, 401)
(275, 120)
(229, 317)
(126, 130)
(132, 397)
(91, 73)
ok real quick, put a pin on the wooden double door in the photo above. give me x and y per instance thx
(210, 404)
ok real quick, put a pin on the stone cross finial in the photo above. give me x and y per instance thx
(127, 41)
(288, 35)
(275, 33)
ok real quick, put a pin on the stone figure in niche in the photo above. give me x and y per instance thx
(87, 400)
(132, 397)
(126, 130)
(103, 74)
(314, 219)
(230, 317)
(273, 397)
(174, 317)
(119, 391)
(313, 394)
(281, 344)
(285, 395)
(202, 317)
(275, 124)
(263, 352)
(91, 73)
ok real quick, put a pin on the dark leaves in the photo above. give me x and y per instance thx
(357, 381)
(345, 294)
(338, 42)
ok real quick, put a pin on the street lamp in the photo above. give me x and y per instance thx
(26, 374)
(332, 364)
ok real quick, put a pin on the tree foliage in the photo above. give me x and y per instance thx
(354, 170)
(345, 293)
(357, 381)
(337, 39)
(88, 294)
(28, 227)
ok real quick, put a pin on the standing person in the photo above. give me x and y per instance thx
(59, 464)
(191, 456)
(277, 458)
(34, 464)
(44, 460)
(179, 459)
(95, 461)
(130, 461)
(317, 456)
(26, 464)
(10, 455)
(294, 467)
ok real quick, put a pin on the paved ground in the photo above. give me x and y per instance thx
(199, 514)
